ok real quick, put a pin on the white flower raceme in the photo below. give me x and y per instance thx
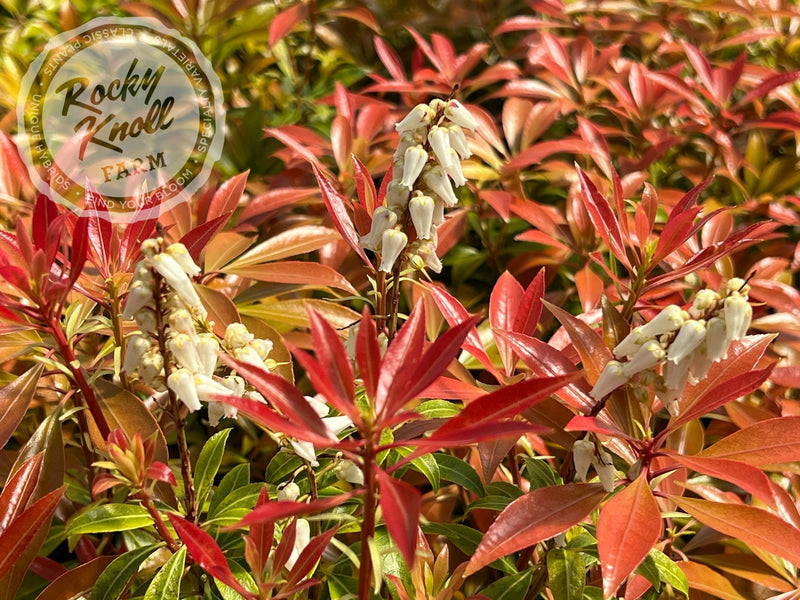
(178, 280)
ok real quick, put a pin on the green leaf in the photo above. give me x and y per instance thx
(109, 517)
(236, 504)
(114, 580)
(166, 585)
(437, 409)
(540, 473)
(669, 572)
(281, 467)
(493, 502)
(237, 477)
(427, 465)
(510, 587)
(242, 576)
(566, 574)
(466, 539)
(208, 464)
(459, 472)
(592, 593)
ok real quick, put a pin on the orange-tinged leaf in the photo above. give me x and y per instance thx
(588, 342)
(224, 247)
(76, 582)
(534, 517)
(704, 579)
(590, 288)
(14, 400)
(753, 526)
(627, 529)
(285, 21)
(292, 242)
(503, 306)
(747, 566)
(287, 314)
(401, 504)
(221, 309)
(305, 274)
(765, 443)
(18, 490)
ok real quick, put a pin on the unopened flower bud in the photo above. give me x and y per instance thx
(458, 114)
(582, 455)
(150, 366)
(439, 140)
(237, 336)
(181, 381)
(737, 285)
(181, 321)
(690, 336)
(612, 377)
(414, 161)
(436, 179)
(137, 346)
(181, 255)
(458, 141)
(647, 357)
(670, 319)
(604, 465)
(262, 347)
(382, 220)
(394, 242)
(421, 209)
(419, 116)
(290, 492)
(738, 313)
(703, 301)
(151, 247)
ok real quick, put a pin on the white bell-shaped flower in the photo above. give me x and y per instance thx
(178, 280)
(151, 365)
(631, 343)
(414, 161)
(426, 250)
(419, 116)
(181, 382)
(460, 115)
(648, 356)
(396, 199)
(421, 209)
(582, 455)
(612, 377)
(301, 540)
(703, 301)
(394, 242)
(183, 349)
(134, 350)
(670, 319)
(439, 140)
(604, 465)
(438, 182)
(262, 347)
(350, 472)
(458, 141)
(207, 347)
(290, 492)
(690, 336)
(454, 170)
(382, 220)
(737, 285)
(237, 336)
(716, 339)
(181, 321)
(140, 295)
(677, 374)
(738, 314)
(181, 255)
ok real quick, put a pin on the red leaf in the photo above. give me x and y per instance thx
(282, 394)
(272, 511)
(400, 361)
(45, 212)
(368, 354)
(80, 251)
(309, 557)
(590, 288)
(530, 307)
(588, 342)
(15, 397)
(764, 443)
(227, 197)
(534, 517)
(100, 227)
(627, 529)
(747, 477)
(21, 532)
(679, 223)
(365, 186)
(454, 312)
(19, 489)
(490, 410)
(504, 305)
(141, 227)
(261, 536)
(284, 549)
(285, 21)
(160, 472)
(338, 212)
(196, 239)
(206, 553)
(389, 59)
(401, 504)
(753, 526)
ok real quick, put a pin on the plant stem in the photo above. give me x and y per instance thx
(116, 327)
(380, 301)
(368, 522)
(395, 304)
(79, 376)
(158, 520)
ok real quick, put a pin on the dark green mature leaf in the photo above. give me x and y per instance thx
(109, 517)
(566, 574)
(14, 400)
(113, 582)
(466, 539)
(510, 587)
(208, 464)
(237, 477)
(459, 472)
(166, 584)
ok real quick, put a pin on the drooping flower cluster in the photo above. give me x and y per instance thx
(427, 164)
(684, 343)
(584, 455)
(162, 282)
